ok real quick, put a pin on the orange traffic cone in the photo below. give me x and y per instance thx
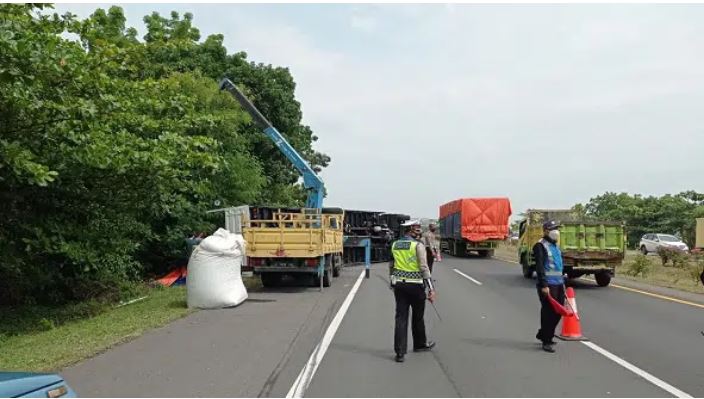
(571, 328)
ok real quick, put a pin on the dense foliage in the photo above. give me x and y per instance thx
(112, 148)
(668, 214)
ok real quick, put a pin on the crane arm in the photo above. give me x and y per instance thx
(311, 181)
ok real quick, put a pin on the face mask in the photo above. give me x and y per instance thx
(554, 235)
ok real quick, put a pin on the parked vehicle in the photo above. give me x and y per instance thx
(652, 242)
(290, 241)
(588, 247)
(33, 385)
(474, 225)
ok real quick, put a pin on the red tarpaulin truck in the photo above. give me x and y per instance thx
(474, 224)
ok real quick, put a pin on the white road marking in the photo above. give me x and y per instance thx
(306, 375)
(644, 374)
(467, 277)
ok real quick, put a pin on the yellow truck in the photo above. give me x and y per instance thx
(298, 242)
(588, 247)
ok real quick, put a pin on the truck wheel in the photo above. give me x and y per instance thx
(483, 253)
(603, 279)
(270, 279)
(335, 266)
(644, 250)
(327, 279)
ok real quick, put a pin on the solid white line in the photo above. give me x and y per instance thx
(467, 277)
(644, 374)
(306, 375)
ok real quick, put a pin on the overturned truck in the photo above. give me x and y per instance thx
(380, 228)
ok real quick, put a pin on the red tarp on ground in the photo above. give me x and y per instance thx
(174, 276)
(481, 218)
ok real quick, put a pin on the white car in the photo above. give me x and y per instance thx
(651, 242)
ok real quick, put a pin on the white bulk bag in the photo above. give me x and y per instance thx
(214, 272)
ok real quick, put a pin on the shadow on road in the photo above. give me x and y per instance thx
(381, 354)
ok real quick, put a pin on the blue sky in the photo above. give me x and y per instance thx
(420, 104)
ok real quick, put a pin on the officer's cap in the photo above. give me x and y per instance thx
(551, 225)
(411, 223)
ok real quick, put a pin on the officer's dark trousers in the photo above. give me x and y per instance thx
(413, 296)
(430, 257)
(549, 319)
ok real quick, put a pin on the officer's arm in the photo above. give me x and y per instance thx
(422, 260)
(539, 257)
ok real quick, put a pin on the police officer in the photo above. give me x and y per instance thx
(410, 277)
(430, 242)
(548, 266)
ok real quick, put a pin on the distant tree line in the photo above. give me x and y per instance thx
(668, 214)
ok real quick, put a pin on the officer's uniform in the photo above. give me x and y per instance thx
(428, 239)
(409, 278)
(548, 266)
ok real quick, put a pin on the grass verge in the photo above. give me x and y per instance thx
(36, 338)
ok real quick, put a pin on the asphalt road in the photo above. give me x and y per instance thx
(253, 350)
(486, 345)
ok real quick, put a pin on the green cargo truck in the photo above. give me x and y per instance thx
(588, 247)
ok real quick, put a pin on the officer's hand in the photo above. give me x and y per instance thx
(431, 296)
(545, 291)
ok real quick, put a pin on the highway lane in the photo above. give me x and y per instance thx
(661, 337)
(486, 344)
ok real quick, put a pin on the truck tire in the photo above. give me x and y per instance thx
(327, 279)
(271, 279)
(602, 279)
(335, 263)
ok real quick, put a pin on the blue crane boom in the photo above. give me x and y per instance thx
(311, 181)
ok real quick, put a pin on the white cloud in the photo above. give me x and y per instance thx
(364, 24)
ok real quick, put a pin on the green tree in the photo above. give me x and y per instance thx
(111, 150)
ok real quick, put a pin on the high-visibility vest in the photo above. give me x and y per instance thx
(406, 266)
(553, 263)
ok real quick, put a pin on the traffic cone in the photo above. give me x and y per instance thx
(571, 328)
(439, 257)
